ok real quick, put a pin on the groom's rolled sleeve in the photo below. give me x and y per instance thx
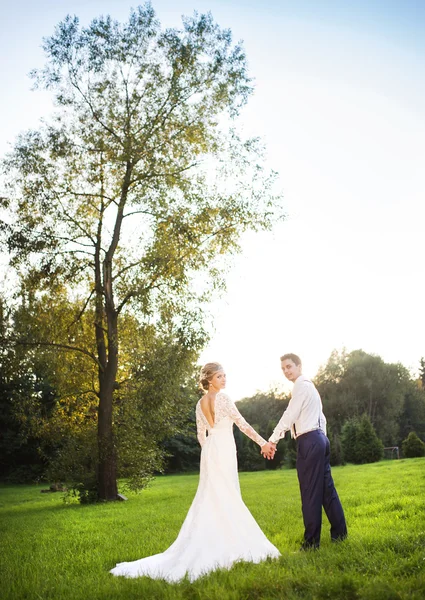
(290, 415)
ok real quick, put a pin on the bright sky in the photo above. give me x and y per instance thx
(340, 103)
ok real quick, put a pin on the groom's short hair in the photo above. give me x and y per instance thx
(294, 357)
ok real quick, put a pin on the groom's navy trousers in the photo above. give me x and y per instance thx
(317, 488)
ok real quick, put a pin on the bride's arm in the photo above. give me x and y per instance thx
(243, 425)
(201, 429)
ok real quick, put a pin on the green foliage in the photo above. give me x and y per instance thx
(413, 415)
(249, 455)
(71, 455)
(422, 372)
(55, 406)
(182, 453)
(369, 447)
(357, 383)
(337, 455)
(292, 453)
(348, 440)
(24, 379)
(142, 144)
(154, 406)
(183, 450)
(360, 443)
(413, 446)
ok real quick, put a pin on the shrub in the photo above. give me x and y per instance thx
(360, 443)
(413, 446)
(291, 454)
(348, 440)
(337, 455)
(369, 447)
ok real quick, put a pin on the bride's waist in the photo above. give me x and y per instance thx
(220, 431)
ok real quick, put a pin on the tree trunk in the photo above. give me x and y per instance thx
(108, 355)
(107, 467)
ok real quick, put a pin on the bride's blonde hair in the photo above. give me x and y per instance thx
(206, 374)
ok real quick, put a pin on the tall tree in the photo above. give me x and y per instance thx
(357, 383)
(137, 184)
(422, 372)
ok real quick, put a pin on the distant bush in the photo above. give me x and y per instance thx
(360, 444)
(413, 446)
(348, 440)
(337, 454)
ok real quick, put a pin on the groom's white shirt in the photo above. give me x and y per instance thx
(304, 412)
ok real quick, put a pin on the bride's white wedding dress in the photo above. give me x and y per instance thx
(219, 529)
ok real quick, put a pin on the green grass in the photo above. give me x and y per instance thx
(58, 551)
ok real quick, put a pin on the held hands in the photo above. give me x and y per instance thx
(268, 450)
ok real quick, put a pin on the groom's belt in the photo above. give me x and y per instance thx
(298, 435)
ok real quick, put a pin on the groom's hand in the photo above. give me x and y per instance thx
(268, 450)
(273, 448)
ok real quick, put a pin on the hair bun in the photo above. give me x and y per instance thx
(207, 373)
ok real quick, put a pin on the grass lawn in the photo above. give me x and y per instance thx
(50, 549)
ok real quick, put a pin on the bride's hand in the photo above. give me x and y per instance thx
(268, 450)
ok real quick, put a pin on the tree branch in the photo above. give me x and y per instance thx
(82, 311)
(6, 342)
(72, 240)
(95, 116)
(140, 212)
(170, 174)
(74, 221)
(126, 268)
(87, 195)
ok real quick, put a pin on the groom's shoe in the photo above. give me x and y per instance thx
(339, 538)
(305, 546)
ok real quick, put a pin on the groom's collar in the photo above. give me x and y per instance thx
(301, 378)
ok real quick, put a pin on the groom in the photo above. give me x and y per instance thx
(307, 423)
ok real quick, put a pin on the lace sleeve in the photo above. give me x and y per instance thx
(240, 422)
(201, 429)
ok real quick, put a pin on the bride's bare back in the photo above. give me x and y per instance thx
(208, 408)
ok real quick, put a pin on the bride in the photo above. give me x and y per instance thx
(219, 529)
